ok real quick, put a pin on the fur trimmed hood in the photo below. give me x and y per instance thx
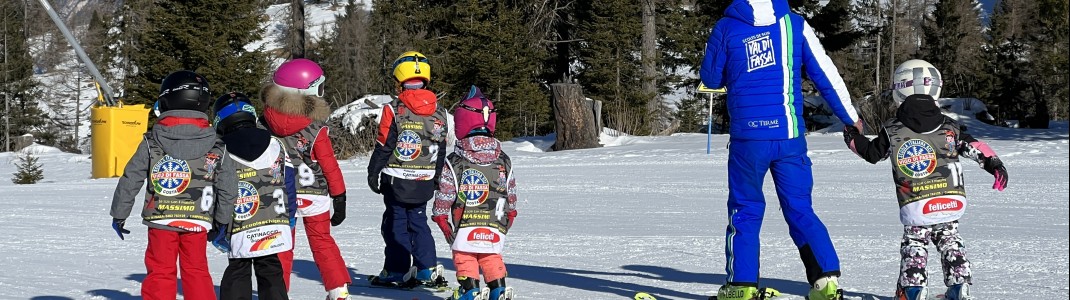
(290, 103)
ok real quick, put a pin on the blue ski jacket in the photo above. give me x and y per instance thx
(758, 51)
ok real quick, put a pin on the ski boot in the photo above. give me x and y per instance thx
(339, 293)
(390, 279)
(498, 290)
(911, 293)
(826, 288)
(461, 294)
(958, 292)
(742, 292)
(430, 277)
(468, 290)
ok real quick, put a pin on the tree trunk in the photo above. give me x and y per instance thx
(297, 35)
(649, 63)
(574, 118)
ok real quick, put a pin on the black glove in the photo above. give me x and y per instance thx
(849, 134)
(339, 209)
(117, 225)
(373, 183)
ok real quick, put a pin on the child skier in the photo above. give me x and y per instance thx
(192, 188)
(411, 148)
(295, 112)
(926, 172)
(483, 207)
(266, 203)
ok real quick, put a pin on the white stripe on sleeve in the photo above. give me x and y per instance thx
(825, 65)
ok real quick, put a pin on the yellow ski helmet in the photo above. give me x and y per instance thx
(411, 65)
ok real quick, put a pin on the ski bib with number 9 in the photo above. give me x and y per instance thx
(312, 195)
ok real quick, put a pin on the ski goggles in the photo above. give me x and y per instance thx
(415, 58)
(315, 88)
(231, 109)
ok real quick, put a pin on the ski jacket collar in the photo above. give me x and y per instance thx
(282, 124)
(920, 113)
(291, 103)
(184, 134)
(479, 149)
(757, 12)
(421, 101)
(248, 143)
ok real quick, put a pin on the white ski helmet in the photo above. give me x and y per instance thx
(914, 77)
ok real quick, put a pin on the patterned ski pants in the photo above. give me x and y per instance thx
(915, 255)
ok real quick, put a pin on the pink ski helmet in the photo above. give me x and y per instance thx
(474, 115)
(300, 75)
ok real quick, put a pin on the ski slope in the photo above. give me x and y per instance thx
(640, 214)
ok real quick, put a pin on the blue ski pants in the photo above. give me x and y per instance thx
(407, 236)
(748, 162)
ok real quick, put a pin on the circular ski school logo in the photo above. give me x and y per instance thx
(408, 147)
(474, 187)
(170, 176)
(916, 158)
(248, 201)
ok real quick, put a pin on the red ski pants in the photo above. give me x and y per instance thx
(324, 251)
(188, 248)
(468, 265)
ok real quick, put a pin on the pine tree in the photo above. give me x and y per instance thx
(28, 170)
(953, 45)
(491, 44)
(609, 62)
(16, 73)
(683, 30)
(1051, 60)
(396, 27)
(1007, 56)
(204, 36)
(346, 56)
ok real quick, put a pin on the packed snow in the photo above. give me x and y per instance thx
(639, 214)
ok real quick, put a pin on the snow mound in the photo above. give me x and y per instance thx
(612, 138)
(608, 138)
(368, 106)
(372, 106)
(533, 143)
(38, 150)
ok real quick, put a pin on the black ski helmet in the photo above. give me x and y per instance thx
(233, 111)
(184, 90)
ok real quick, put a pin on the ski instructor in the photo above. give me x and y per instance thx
(758, 51)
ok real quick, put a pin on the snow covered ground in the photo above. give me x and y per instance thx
(641, 214)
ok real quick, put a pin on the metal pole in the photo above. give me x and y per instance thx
(81, 53)
(709, 125)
